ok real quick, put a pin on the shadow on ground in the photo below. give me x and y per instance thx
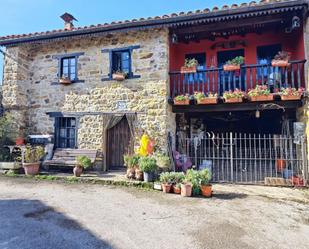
(31, 224)
(228, 196)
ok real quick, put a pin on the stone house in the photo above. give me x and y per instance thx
(97, 112)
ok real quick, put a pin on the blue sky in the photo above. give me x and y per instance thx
(25, 16)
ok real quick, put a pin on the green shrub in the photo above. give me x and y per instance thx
(34, 154)
(204, 176)
(147, 164)
(83, 161)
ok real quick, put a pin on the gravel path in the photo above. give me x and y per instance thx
(39, 215)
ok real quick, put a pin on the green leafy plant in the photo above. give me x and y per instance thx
(191, 62)
(181, 97)
(236, 61)
(259, 90)
(34, 154)
(291, 91)
(233, 94)
(192, 176)
(165, 177)
(163, 161)
(282, 55)
(121, 73)
(204, 177)
(200, 95)
(83, 161)
(148, 164)
(131, 161)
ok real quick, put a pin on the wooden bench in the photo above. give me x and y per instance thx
(67, 157)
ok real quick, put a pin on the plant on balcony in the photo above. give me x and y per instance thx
(65, 80)
(260, 93)
(290, 93)
(119, 76)
(281, 59)
(182, 100)
(189, 66)
(206, 99)
(235, 96)
(233, 65)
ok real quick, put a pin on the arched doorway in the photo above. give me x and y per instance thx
(118, 143)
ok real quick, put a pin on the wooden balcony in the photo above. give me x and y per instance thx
(216, 80)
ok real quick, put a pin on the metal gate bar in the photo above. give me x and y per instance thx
(250, 158)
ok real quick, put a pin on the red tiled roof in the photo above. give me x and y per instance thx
(171, 19)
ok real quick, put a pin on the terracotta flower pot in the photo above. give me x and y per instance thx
(186, 190)
(269, 97)
(176, 190)
(78, 170)
(280, 63)
(207, 101)
(280, 165)
(290, 97)
(119, 77)
(20, 141)
(233, 100)
(206, 190)
(65, 81)
(188, 69)
(231, 67)
(31, 169)
(166, 187)
(130, 173)
(182, 102)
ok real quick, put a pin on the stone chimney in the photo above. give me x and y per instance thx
(68, 21)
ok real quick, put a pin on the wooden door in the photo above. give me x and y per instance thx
(118, 143)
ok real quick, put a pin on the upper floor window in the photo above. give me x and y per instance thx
(68, 68)
(121, 62)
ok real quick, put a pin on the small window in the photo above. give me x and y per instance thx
(68, 68)
(65, 132)
(121, 62)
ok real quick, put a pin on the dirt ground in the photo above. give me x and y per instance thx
(39, 215)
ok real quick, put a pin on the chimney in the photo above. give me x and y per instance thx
(68, 21)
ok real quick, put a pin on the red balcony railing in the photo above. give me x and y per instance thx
(216, 80)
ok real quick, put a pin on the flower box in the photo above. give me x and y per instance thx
(233, 100)
(228, 67)
(290, 97)
(207, 101)
(188, 69)
(182, 102)
(65, 81)
(269, 97)
(119, 76)
(280, 63)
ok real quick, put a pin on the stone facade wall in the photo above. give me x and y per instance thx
(32, 93)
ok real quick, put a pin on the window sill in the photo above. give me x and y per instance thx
(73, 82)
(131, 78)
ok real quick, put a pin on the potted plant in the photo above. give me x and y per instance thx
(178, 178)
(281, 59)
(32, 157)
(235, 96)
(189, 66)
(65, 80)
(291, 93)
(148, 165)
(163, 161)
(165, 179)
(182, 100)
(233, 65)
(193, 177)
(205, 187)
(83, 162)
(260, 93)
(206, 99)
(130, 168)
(119, 76)
(134, 162)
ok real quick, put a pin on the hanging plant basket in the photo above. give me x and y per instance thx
(229, 67)
(280, 63)
(233, 100)
(182, 102)
(188, 69)
(65, 81)
(269, 97)
(207, 101)
(290, 97)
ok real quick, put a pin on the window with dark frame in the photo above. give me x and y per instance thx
(65, 132)
(68, 68)
(121, 62)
